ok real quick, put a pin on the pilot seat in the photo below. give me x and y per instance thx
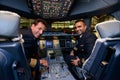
(13, 63)
(104, 61)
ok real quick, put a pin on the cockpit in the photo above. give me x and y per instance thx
(60, 37)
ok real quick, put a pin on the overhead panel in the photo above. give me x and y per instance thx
(50, 9)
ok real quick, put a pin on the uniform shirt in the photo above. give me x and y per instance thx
(30, 44)
(85, 45)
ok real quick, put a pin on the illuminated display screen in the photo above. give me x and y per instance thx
(42, 44)
(51, 8)
(49, 44)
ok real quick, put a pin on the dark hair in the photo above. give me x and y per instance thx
(80, 20)
(36, 21)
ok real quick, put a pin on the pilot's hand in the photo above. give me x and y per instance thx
(43, 62)
(76, 61)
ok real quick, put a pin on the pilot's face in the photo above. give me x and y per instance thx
(80, 27)
(38, 29)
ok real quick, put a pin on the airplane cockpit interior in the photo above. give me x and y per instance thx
(102, 17)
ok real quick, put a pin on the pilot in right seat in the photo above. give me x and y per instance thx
(86, 41)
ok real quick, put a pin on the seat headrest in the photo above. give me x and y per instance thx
(108, 29)
(9, 24)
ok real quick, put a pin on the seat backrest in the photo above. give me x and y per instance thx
(104, 61)
(109, 29)
(13, 63)
(9, 24)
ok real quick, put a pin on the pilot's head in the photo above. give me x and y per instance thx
(80, 26)
(38, 27)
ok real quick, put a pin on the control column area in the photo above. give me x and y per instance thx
(54, 48)
(58, 69)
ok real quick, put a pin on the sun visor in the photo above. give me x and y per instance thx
(9, 24)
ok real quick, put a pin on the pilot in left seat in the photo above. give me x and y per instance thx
(31, 37)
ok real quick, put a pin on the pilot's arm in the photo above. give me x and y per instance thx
(35, 62)
(76, 60)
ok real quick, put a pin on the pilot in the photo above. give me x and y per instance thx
(86, 40)
(31, 37)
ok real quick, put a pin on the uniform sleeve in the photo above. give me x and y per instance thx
(89, 44)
